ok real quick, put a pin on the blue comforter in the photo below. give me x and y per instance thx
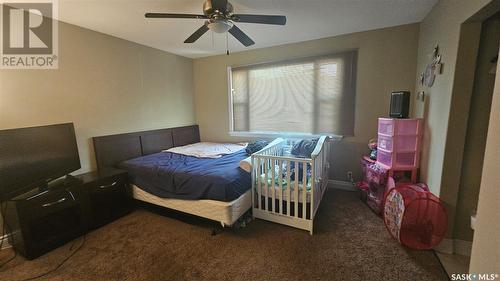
(171, 175)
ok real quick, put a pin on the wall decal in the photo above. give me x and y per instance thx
(434, 68)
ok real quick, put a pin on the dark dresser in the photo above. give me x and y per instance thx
(44, 219)
(109, 196)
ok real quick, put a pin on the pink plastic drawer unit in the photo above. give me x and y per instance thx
(384, 142)
(384, 158)
(398, 143)
(399, 127)
(397, 160)
(386, 126)
(406, 159)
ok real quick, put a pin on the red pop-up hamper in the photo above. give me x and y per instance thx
(415, 217)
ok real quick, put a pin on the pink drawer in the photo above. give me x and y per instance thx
(385, 142)
(406, 143)
(386, 126)
(408, 127)
(398, 143)
(394, 127)
(397, 160)
(384, 158)
(405, 159)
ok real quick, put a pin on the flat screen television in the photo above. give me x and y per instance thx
(32, 157)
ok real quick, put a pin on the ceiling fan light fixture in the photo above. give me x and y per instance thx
(219, 26)
(219, 18)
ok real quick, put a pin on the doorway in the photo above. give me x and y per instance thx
(468, 130)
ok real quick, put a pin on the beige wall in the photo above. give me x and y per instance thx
(386, 62)
(104, 85)
(440, 27)
(446, 107)
(477, 128)
(486, 246)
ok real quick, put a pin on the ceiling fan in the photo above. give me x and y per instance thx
(220, 18)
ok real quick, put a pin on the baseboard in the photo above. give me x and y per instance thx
(343, 185)
(5, 244)
(462, 247)
(454, 246)
(445, 247)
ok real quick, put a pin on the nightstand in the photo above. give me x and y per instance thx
(43, 219)
(108, 194)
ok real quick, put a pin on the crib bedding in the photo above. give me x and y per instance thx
(283, 177)
(172, 175)
(284, 186)
(284, 196)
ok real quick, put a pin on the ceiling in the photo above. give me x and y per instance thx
(306, 20)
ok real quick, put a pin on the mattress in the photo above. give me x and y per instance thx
(224, 212)
(171, 175)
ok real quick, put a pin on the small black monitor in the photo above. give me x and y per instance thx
(400, 104)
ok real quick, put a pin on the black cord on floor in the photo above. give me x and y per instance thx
(9, 260)
(60, 264)
(4, 232)
(2, 211)
(4, 228)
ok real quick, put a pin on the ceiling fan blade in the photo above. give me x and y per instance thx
(219, 5)
(263, 19)
(174, 16)
(241, 36)
(197, 34)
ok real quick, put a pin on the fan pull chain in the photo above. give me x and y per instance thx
(227, 44)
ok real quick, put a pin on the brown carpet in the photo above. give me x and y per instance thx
(350, 243)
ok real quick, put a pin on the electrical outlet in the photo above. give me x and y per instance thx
(349, 175)
(421, 96)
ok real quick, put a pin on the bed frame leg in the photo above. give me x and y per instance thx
(216, 230)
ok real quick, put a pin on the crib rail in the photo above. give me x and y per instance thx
(288, 189)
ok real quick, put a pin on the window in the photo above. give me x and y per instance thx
(305, 96)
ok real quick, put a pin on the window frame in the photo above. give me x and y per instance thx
(267, 134)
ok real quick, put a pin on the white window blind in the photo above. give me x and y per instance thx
(312, 96)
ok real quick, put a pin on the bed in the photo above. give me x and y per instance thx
(216, 189)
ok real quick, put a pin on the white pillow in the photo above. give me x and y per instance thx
(207, 149)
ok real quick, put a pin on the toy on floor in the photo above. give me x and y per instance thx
(414, 216)
(372, 145)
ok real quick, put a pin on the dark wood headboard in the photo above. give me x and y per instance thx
(113, 149)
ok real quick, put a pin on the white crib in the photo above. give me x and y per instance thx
(278, 192)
